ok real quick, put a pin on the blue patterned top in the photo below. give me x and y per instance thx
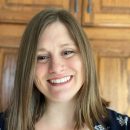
(116, 121)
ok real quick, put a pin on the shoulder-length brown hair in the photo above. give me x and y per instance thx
(28, 104)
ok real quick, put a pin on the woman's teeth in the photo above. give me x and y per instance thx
(62, 80)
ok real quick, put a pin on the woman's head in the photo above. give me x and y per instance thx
(28, 80)
(59, 67)
(36, 28)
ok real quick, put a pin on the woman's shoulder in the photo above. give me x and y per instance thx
(121, 120)
(116, 121)
(2, 121)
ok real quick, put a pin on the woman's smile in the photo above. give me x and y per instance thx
(60, 81)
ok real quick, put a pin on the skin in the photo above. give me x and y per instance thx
(58, 57)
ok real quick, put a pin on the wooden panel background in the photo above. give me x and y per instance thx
(21, 11)
(113, 66)
(112, 13)
(7, 72)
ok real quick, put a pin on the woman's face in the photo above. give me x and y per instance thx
(59, 68)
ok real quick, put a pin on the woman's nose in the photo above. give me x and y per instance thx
(56, 66)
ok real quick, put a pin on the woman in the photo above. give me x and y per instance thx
(55, 84)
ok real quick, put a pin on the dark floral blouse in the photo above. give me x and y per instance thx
(116, 121)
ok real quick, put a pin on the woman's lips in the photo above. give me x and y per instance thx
(60, 81)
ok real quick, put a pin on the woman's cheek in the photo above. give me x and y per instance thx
(75, 62)
(41, 69)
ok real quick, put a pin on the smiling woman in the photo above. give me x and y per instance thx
(56, 87)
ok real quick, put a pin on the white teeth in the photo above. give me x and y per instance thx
(62, 80)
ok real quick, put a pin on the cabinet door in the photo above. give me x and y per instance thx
(21, 11)
(7, 71)
(106, 13)
(113, 66)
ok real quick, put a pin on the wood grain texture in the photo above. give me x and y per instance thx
(113, 67)
(108, 13)
(17, 11)
(8, 66)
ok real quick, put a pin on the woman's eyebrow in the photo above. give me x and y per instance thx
(41, 49)
(67, 44)
(61, 45)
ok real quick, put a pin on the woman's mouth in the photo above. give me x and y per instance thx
(60, 81)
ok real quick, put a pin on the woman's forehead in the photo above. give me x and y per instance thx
(56, 32)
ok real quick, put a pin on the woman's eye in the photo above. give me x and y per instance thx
(68, 53)
(43, 59)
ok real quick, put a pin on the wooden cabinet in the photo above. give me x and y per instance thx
(113, 66)
(112, 13)
(107, 24)
(17, 11)
(7, 71)
(21, 11)
(9, 42)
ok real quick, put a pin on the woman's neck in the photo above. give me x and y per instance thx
(59, 115)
